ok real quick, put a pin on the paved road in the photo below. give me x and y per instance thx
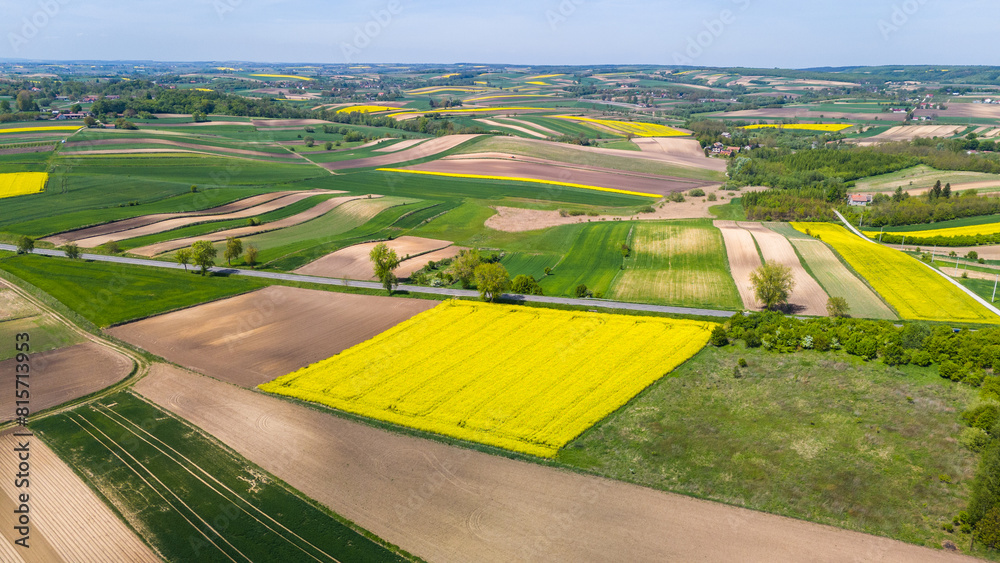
(593, 303)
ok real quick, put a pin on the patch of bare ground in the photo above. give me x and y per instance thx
(253, 338)
(807, 297)
(743, 260)
(354, 263)
(447, 504)
(69, 523)
(64, 374)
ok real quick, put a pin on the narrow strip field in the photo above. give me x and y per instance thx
(915, 291)
(426, 149)
(354, 262)
(807, 297)
(193, 499)
(595, 260)
(510, 385)
(253, 338)
(69, 523)
(677, 264)
(443, 503)
(743, 260)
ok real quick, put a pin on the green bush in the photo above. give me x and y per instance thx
(975, 439)
(581, 291)
(719, 337)
(697, 192)
(950, 370)
(920, 358)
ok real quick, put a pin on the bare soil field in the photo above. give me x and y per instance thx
(910, 132)
(807, 297)
(307, 215)
(65, 374)
(683, 152)
(253, 338)
(490, 164)
(353, 262)
(408, 267)
(423, 150)
(69, 523)
(743, 260)
(524, 130)
(179, 144)
(401, 145)
(528, 125)
(178, 222)
(986, 111)
(114, 226)
(444, 503)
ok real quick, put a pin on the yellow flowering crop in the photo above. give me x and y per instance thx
(537, 83)
(466, 110)
(519, 378)
(913, 289)
(540, 76)
(513, 179)
(509, 96)
(22, 183)
(988, 229)
(40, 129)
(365, 109)
(289, 76)
(825, 127)
(635, 128)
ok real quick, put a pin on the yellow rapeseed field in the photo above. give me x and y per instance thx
(510, 96)
(288, 76)
(537, 83)
(987, 229)
(40, 129)
(825, 127)
(541, 76)
(22, 183)
(635, 128)
(913, 289)
(466, 110)
(514, 179)
(365, 109)
(519, 378)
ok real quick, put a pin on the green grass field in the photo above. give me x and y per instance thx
(920, 177)
(964, 222)
(821, 437)
(594, 259)
(732, 211)
(529, 263)
(197, 500)
(19, 316)
(108, 294)
(679, 263)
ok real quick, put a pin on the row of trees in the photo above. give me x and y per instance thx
(203, 253)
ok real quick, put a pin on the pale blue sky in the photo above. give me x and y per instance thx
(762, 33)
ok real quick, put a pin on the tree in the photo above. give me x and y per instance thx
(491, 281)
(582, 291)
(24, 102)
(772, 283)
(183, 257)
(76, 108)
(837, 307)
(72, 250)
(328, 145)
(935, 191)
(988, 529)
(234, 247)
(25, 245)
(203, 253)
(972, 255)
(4, 106)
(122, 123)
(112, 247)
(526, 285)
(89, 121)
(310, 142)
(384, 261)
(251, 254)
(465, 265)
(946, 192)
(199, 117)
(719, 337)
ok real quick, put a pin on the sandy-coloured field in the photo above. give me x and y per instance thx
(910, 132)
(287, 122)
(307, 215)
(353, 262)
(444, 503)
(69, 523)
(64, 374)
(980, 111)
(144, 220)
(528, 125)
(400, 145)
(69, 147)
(511, 166)
(423, 150)
(178, 222)
(743, 260)
(253, 338)
(526, 131)
(807, 297)
(683, 152)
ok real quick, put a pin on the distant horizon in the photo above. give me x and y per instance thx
(729, 33)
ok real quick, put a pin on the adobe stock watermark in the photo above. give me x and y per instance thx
(365, 34)
(223, 7)
(713, 29)
(562, 13)
(31, 26)
(901, 14)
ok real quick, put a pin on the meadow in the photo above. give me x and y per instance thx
(594, 260)
(427, 373)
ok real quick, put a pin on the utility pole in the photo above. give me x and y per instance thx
(995, 288)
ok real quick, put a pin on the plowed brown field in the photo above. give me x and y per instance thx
(743, 260)
(807, 297)
(354, 263)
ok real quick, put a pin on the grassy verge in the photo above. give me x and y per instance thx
(822, 437)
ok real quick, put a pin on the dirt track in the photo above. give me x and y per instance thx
(743, 260)
(353, 262)
(317, 210)
(423, 150)
(143, 220)
(64, 374)
(807, 297)
(446, 504)
(251, 339)
(69, 523)
(178, 222)
(491, 164)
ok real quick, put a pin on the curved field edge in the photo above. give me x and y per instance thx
(552, 388)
